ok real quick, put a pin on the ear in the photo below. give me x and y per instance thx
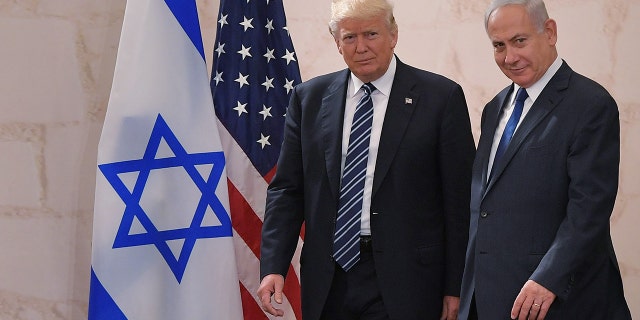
(551, 31)
(337, 40)
(394, 39)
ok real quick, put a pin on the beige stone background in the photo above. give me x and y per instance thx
(56, 65)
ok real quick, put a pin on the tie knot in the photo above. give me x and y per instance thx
(368, 88)
(522, 95)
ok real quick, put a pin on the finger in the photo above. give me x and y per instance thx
(265, 297)
(525, 308)
(544, 308)
(517, 306)
(267, 288)
(450, 307)
(452, 314)
(268, 307)
(277, 295)
(525, 312)
(534, 311)
(265, 302)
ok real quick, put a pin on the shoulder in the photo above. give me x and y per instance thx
(589, 101)
(581, 94)
(323, 82)
(575, 86)
(588, 88)
(425, 78)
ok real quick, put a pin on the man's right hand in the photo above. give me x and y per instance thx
(271, 285)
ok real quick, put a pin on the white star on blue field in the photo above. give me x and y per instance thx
(133, 209)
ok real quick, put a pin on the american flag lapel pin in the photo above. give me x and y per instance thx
(408, 101)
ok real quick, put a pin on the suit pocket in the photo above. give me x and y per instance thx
(541, 150)
(432, 254)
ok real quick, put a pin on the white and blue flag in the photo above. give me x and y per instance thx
(162, 234)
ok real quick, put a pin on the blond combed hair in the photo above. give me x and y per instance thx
(361, 9)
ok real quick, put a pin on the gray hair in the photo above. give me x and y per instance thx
(360, 9)
(535, 8)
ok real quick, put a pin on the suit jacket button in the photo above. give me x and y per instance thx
(484, 214)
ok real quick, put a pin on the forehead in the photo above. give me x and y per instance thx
(507, 21)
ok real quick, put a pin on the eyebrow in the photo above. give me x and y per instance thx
(518, 35)
(512, 39)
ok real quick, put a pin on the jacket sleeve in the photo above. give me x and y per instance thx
(593, 166)
(456, 152)
(284, 212)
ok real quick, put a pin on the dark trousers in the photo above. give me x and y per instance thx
(354, 295)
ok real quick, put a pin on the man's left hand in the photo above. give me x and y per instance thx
(450, 306)
(533, 302)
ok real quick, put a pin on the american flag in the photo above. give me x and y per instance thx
(254, 71)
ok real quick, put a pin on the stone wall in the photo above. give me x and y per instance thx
(56, 65)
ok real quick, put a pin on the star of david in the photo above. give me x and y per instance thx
(134, 211)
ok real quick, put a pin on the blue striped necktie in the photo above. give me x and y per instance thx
(346, 247)
(510, 128)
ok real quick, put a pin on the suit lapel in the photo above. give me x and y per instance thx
(402, 103)
(546, 102)
(486, 139)
(332, 114)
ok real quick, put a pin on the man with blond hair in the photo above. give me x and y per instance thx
(376, 163)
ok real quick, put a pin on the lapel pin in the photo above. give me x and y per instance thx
(408, 101)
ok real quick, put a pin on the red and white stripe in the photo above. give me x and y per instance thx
(247, 198)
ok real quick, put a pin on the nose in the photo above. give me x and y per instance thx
(361, 45)
(510, 56)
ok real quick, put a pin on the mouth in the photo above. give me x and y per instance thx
(364, 61)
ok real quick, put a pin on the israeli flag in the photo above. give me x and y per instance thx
(162, 234)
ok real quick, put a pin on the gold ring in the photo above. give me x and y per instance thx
(537, 305)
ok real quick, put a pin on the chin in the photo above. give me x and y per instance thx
(525, 83)
(365, 76)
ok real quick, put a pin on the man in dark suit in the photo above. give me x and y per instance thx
(412, 216)
(539, 242)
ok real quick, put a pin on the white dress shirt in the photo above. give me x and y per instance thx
(533, 91)
(380, 99)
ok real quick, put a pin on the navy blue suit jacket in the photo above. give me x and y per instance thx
(545, 213)
(419, 220)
